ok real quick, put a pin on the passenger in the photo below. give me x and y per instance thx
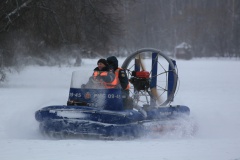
(121, 78)
(101, 76)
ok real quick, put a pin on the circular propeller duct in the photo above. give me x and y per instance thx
(153, 77)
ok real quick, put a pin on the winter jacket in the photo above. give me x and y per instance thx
(119, 72)
(107, 77)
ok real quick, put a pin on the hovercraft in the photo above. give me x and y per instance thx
(100, 113)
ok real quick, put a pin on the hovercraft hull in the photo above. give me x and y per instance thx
(92, 122)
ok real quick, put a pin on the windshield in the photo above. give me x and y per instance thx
(77, 76)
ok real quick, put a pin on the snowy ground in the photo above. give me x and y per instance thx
(209, 87)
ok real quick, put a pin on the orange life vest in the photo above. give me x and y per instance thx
(114, 84)
(99, 73)
(116, 81)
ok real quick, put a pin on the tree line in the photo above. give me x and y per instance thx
(45, 29)
(212, 27)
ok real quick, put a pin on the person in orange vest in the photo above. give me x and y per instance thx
(101, 77)
(102, 73)
(119, 72)
(122, 79)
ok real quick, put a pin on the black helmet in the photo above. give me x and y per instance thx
(103, 61)
(112, 61)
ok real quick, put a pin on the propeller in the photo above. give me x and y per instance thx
(167, 85)
(153, 86)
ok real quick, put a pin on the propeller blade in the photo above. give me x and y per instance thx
(138, 60)
(140, 65)
(156, 96)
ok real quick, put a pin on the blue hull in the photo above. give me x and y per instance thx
(89, 121)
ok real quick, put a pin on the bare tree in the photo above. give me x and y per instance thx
(211, 27)
(12, 10)
(33, 26)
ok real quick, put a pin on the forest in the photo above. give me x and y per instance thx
(49, 32)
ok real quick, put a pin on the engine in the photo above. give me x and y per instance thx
(140, 80)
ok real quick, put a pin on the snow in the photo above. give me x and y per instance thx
(210, 87)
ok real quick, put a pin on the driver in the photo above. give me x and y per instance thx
(102, 77)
